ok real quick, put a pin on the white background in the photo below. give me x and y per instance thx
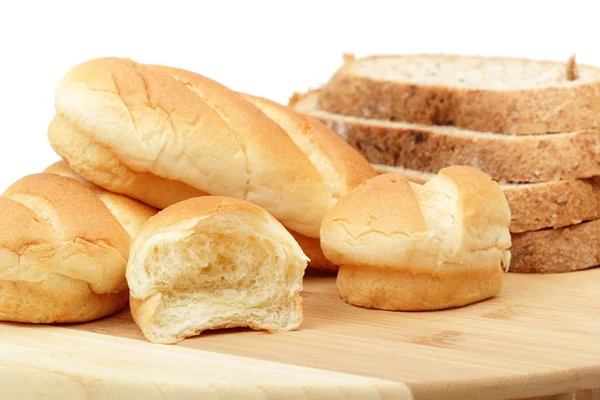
(266, 48)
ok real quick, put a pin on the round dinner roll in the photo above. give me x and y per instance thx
(63, 255)
(406, 246)
(214, 262)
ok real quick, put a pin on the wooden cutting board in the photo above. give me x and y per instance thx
(540, 338)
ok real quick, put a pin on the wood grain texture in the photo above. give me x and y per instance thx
(537, 339)
(54, 362)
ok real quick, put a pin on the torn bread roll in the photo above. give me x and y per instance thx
(130, 213)
(214, 262)
(161, 135)
(406, 246)
(341, 166)
(63, 255)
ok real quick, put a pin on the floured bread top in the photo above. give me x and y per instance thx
(474, 72)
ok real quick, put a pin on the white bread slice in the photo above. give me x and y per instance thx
(533, 158)
(210, 263)
(536, 206)
(504, 95)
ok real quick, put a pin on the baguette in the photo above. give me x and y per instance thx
(512, 159)
(158, 134)
(503, 95)
(537, 206)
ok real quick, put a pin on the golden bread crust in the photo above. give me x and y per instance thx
(130, 213)
(179, 126)
(454, 225)
(63, 255)
(401, 289)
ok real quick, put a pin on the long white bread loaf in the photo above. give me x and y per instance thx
(161, 135)
(504, 95)
(532, 158)
(536, 206)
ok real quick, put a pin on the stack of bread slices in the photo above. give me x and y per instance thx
(533, 126)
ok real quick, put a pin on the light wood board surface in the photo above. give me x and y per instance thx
(540, 338)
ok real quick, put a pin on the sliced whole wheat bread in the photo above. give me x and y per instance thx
(504, 95)
(567, 249)
(536, 206)
(562, 205)
(532, 158)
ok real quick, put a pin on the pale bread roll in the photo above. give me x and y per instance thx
(161, 135)
(341, 166)
(406, 246)
(130, 213)
(63, 255)
(210, 263)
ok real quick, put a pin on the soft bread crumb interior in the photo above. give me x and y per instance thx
(439, 205)
(472, 72)
(224, 271)
(461, 242)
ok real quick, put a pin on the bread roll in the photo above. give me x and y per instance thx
(210, 263)
(63, 255)
(161, 135)
(341, 166)
(405, 246)
(130, 213)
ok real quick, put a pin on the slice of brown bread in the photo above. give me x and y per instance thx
(504, 95)
(567, 249)
(536, 206)
(533, 158)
